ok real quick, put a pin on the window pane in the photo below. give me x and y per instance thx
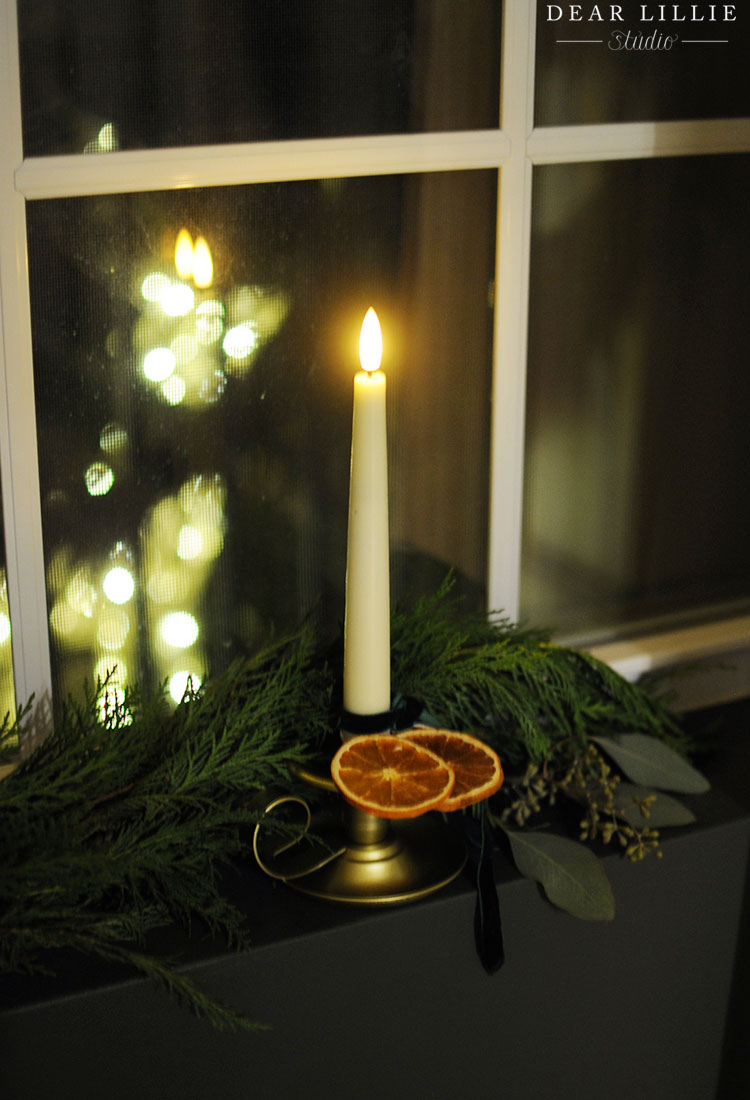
(194, 442)
(638, 392)
(587, 70)
(7, 690)
(129, 74)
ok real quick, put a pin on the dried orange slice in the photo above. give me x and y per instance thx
(390, 777)
(477, 767)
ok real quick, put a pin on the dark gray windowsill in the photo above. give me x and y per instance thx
(394, 1002)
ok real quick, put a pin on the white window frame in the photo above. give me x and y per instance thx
(513, 149)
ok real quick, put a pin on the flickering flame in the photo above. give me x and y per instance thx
(203, 265)
(370, 342)
(183, 254)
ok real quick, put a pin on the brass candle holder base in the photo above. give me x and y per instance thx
(367, 861)
(388, 862)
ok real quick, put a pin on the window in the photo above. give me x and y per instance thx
(175, 441)
(635, 501)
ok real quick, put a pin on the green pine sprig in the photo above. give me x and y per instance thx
(121, 821)
(512, 686)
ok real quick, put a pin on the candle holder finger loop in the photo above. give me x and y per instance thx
(299, 852)
(345, 855)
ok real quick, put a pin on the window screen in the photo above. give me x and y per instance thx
(131, 74)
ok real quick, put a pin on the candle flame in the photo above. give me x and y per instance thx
(203, 267)
(370, 342)
(183, 254)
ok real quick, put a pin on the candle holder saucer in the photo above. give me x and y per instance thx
(346, 855)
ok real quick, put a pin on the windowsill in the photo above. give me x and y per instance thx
(715, 658)
(367, 1002)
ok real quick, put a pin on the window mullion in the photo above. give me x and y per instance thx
(261, 162)
(511, 312)
(626, 140)
(18, 452)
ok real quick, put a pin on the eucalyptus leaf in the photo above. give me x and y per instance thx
(663, 811)
(572, 877)
(650, 762)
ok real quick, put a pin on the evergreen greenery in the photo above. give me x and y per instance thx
(512, 686)
(122, 820)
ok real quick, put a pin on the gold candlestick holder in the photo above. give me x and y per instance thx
(355, 858)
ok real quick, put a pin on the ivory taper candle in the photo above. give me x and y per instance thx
(367, 638)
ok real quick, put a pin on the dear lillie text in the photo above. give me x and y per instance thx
(649, 37)
(649, 13)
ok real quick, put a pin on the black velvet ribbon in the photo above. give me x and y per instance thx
(488, 926)
(366, 723)
(405, 712)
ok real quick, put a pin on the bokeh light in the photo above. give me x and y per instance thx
(99, 478)
(154, 286)
(240, 342)
(177, 300)
(179, 629)
(118, 585)
(111, 669)
(112, 437)
(209, 321)
(80, 594)
(189, 542)
(64, 619)
(173, 390)
(180, 681)
(158, 364)
(107, 138)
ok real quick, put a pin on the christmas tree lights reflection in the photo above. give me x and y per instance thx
(240, 341)
(154, 286)
(189, 542)
(99, 478)
(209, 321)
(179, 629)
(187, 341)
(180, 681)
(112, 437)
(106, 140)
(158, 364)
(115, 675)
(118, 585)
(173, 390)
(177, 300)
(80, 594)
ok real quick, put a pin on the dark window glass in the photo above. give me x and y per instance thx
(194, 440)
(133, 74)
(587, 70)
(637, 502)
